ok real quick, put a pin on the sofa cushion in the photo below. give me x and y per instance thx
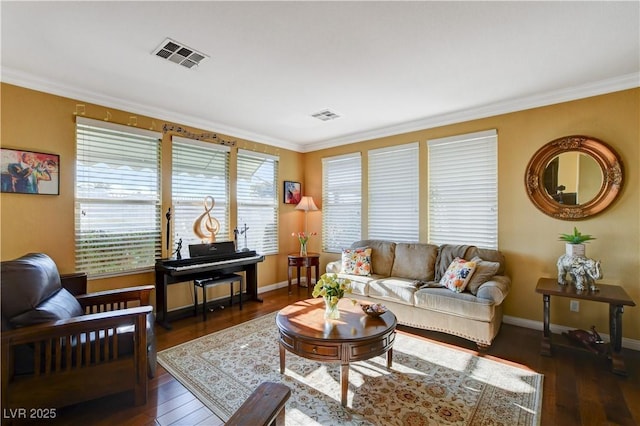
(359, 283)
(356, 261)
(27, 282)
(463, 305)
(382, 254)
(483, 273)
(458, 275)
(487, 254)
(61, 305)
(415, 261)
(446, 254)
(395, 289)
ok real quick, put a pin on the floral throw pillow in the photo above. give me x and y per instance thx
(356, 261)
(458, 275)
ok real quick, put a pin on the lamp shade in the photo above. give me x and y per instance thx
(306, 204)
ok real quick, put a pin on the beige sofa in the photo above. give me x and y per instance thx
(405, 278)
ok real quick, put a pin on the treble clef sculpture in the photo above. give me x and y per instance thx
(211, 224)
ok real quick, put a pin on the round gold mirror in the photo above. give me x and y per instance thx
(574, 177)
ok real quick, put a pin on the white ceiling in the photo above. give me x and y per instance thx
(385, 67)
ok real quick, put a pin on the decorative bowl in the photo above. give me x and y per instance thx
(374, 310)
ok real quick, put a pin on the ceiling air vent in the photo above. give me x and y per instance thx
(325, 115)
(179, 53)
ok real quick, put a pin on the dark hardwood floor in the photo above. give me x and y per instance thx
(578, 387)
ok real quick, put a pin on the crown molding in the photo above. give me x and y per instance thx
(628, 81)
(29, 81)
(602, 87)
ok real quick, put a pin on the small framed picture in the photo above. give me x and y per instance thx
(292, 192)
(28, 172)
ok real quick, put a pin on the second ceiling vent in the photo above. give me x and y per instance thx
(179, 53)
(326, 115)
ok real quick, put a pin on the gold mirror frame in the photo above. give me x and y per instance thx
(604, 155)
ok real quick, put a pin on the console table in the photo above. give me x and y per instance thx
(296, 260)
(614, 295)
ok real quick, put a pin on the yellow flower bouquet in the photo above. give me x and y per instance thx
(332, 289)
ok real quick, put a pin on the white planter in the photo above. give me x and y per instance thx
(575, 249)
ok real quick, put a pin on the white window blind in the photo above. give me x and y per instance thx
(200, 169)
(117, 200)
(341, 201)
(393, 193)
(258, 201)
(463, 190)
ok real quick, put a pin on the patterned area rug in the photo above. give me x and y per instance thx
(429, 384)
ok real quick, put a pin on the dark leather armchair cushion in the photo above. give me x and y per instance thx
(32, 293)
(61, 305)
(27, 282)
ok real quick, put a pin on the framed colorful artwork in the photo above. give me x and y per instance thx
(292, 192)
(28, 172)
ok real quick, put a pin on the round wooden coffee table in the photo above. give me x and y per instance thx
(354, 337)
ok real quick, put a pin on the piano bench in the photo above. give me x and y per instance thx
(208, 282)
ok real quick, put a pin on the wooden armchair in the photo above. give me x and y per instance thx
(58, 349)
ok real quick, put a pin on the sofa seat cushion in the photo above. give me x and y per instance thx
(460, 304)
(399, 290)
(415, 261)
(359, 283)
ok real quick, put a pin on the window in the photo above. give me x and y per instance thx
(117, 208)
(463, 190)
(341, 201)
(258, 201)
(200, 170)
(393, 193)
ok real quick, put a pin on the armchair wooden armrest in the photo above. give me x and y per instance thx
(264, 407)
(109, 300)
(75, 283)
(76, 359)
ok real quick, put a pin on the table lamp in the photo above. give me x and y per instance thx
(306, 204)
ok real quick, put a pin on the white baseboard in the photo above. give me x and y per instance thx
(274, 286)
(556, 328)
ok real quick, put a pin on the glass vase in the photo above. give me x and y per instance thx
(331, 310)
(303, 249)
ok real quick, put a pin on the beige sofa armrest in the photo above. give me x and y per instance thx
(495, 289)
(334, 267)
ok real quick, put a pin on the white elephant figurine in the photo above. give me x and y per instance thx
(583, 270)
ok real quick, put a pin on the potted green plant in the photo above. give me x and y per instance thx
(575, 242)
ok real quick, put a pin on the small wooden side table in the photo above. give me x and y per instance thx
(614, 295)
(297, 261)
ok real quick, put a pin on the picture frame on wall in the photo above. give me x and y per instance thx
(292, 192)
(29, 172)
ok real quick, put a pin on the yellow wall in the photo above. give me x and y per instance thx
(529, 239)
(42, 122)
